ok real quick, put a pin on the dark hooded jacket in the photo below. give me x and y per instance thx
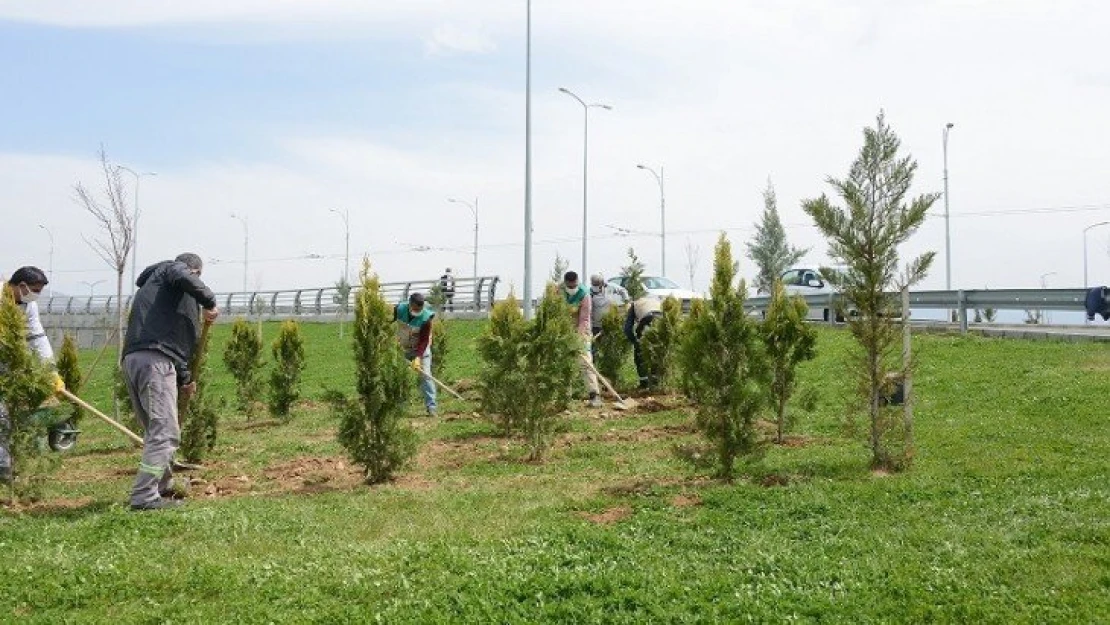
(1098, 303)
(165, 315)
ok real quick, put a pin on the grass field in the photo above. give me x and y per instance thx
(1005, 517)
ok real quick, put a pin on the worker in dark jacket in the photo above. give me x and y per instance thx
(161, 338)
(1098, 303)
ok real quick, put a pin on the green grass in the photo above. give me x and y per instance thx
(1005, 516)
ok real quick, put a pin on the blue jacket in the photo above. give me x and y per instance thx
(1098, 303)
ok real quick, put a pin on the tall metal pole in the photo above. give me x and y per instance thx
(528, 166)
(135, 221)
(1101, 223)
(50, 267)
(662, 217)
(947, 229)
(585, 167)
(246, 240)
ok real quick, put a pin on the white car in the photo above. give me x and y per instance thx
(807, 281)
(658, 286)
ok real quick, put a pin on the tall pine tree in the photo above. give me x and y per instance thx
(864, 236)
(769, 249)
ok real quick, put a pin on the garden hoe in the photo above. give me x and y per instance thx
(621, 403)
(135, 438)
(444, 386)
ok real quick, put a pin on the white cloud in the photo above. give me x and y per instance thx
(452, 39)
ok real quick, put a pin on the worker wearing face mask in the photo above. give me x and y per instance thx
(578, 298)
(599, 306)
(26, 286)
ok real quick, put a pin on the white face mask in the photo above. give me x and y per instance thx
(28, 297)
(570, 290)
(596, 290)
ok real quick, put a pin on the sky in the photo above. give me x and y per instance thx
(281, 111)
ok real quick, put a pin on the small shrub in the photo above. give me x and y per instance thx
(26, 382)
(612, 346)
(530, 368)
(634, 276)
(285, 379)
(200, 414)
(789, 341)
(724, 367)
(500, 377)
(70, 371)
(243, 359)
(660, 342)
(440, 348)
(371, 428)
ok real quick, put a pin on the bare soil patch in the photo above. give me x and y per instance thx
(608, 517)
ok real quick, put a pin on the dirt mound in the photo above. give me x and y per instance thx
(313, 474)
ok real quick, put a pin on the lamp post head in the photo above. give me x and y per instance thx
(605, 106)
(641, 166)
(564, 90)
(950, 125)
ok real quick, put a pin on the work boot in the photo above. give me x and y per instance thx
(595, 401)
(157, 504)
(5, 475)
(432, 412)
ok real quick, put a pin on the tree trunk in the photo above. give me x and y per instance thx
(907, 377)
(119, 334)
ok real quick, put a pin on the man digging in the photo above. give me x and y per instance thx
(161, 338)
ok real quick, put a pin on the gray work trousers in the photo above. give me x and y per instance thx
(152, 384)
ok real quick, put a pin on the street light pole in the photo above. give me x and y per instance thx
(585, 165)
(947, 230)
(662, 217)
(1101, 223)
(346, 215)
(135, 221)
(246, 240)
(528, 165)
(50, 267)
(473, 209)
(92, 286)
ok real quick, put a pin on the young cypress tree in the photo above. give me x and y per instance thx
(724, 366)
(200, 414)
(612, 346)
(789, 341)
(500, 376)
(633, 274)
(25, 383)
(559, 268)
(768, 249)
(285, 379)
(371, 427)
(440, 348)
(70, 371)
(864, 236)
(530, 368)
(660, 342)
(243, 358)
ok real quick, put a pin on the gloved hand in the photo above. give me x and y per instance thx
(59, 383)
(416, 365)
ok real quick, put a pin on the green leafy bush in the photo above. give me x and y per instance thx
(285, 379)
(789, 341)
(530, 368)
(724, 367)
(25, 384)
(660, 342)
(613, 347)
(243, 359)
(371, 428)
(200, 414)
(70, 371)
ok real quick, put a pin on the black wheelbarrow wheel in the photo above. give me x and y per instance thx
(63, 437)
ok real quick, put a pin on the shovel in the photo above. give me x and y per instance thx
(621, 403)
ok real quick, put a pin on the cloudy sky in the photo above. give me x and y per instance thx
(281, 110)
